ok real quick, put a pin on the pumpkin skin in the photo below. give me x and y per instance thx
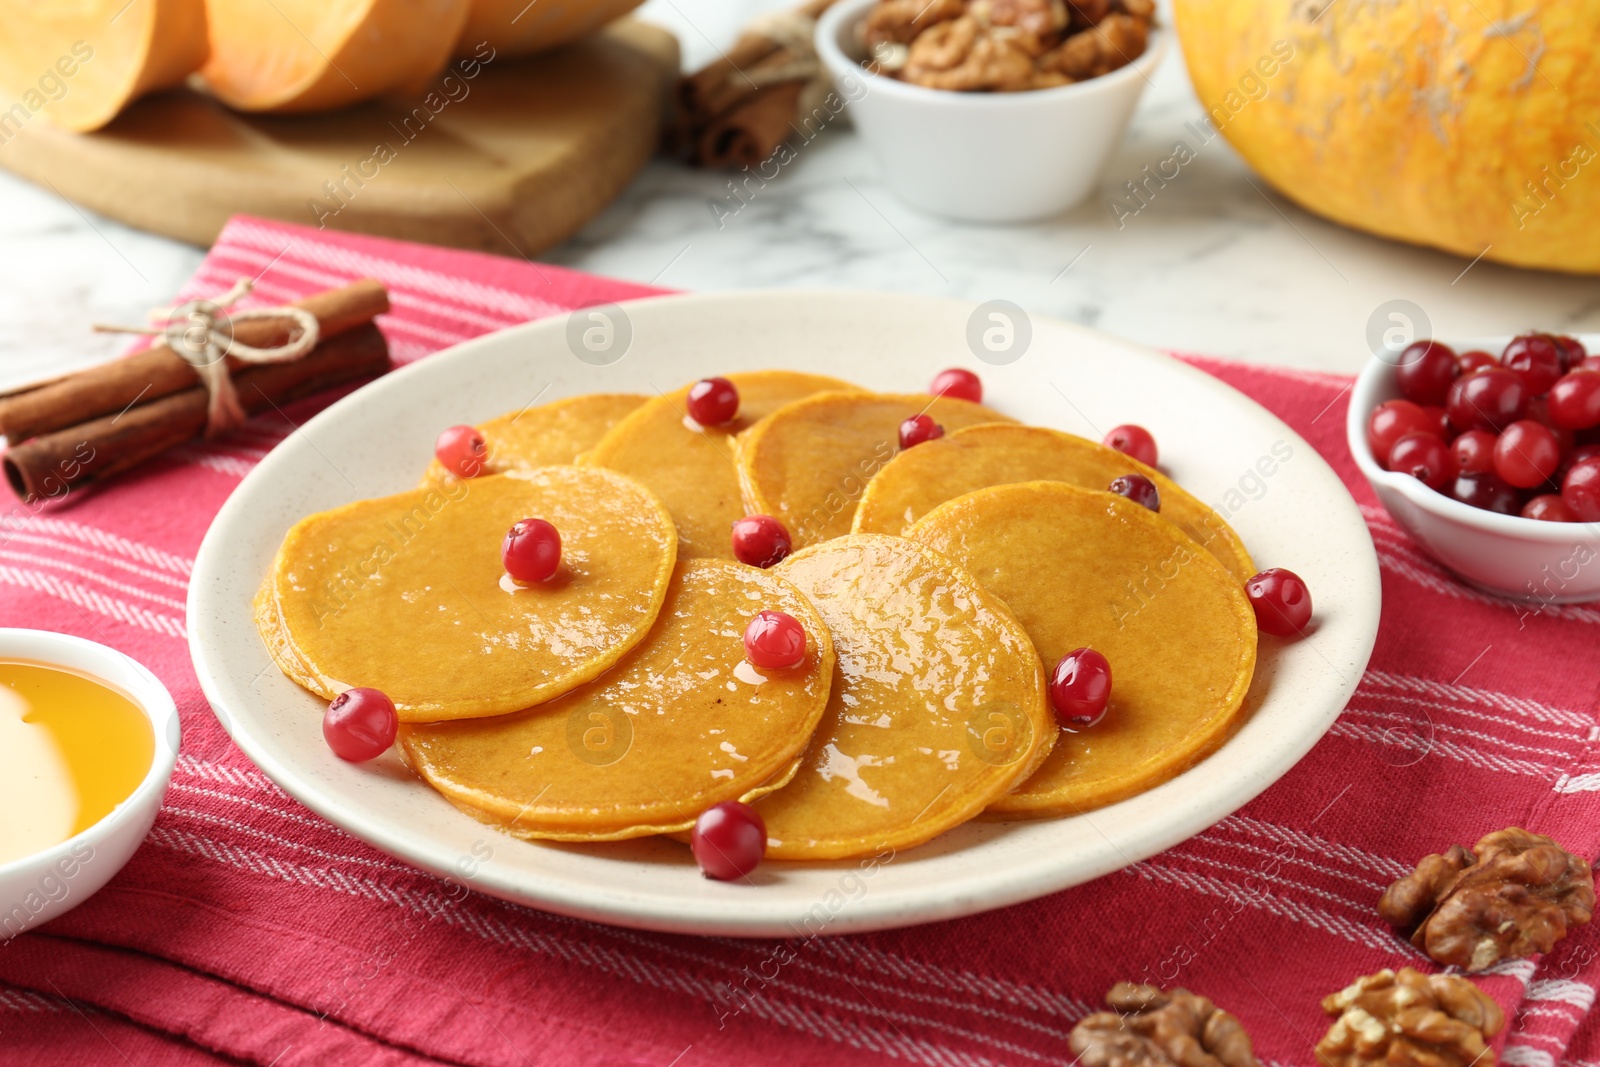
(1421, 122)
(317, 55)
(80, 64)
(517, 28)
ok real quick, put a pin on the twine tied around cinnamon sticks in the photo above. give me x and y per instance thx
(200, 333)
(105, 419)
(790, 33)
(739, 109)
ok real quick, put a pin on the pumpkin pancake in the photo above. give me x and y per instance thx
(681, 723)
(938, 704)
(807, 463)
(407, 593)
(1083, 568)
(545, 436)
(692, 468)
(269, 623)
(920, 479)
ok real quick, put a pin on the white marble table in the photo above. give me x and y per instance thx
(1211, 265)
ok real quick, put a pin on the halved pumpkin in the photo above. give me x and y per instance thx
(80, 64)
(315, 55)
(522, 27)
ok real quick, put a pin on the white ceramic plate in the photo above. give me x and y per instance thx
(1213, 440)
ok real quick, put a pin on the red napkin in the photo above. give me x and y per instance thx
(248, 929)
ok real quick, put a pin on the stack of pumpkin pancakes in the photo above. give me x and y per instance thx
(936, 586)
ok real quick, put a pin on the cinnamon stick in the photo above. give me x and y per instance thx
(721, 83)
(753, 130)
(158, 372)
(734, 92)
(50, 464)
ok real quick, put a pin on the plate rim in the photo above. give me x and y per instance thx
(872, 912)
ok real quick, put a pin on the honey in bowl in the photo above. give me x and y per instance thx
(71, 749)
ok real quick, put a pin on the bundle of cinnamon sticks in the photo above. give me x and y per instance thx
(740, 108)
(103, 420)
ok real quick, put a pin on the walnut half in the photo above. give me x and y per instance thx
(899, 21)
(1410, 1019)
(1114, 42)
(1151, 1028)
(1515, 894)
(964, 54)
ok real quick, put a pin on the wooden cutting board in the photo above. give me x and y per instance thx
(513, 160)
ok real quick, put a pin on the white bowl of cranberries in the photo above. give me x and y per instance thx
(1488, 453)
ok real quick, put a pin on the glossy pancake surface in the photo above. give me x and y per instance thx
(1093, 569)
(938, 703)
(920, 479)
(545, 436)
(408, 594)
(807, 464)
(694, 469)
(681, 723)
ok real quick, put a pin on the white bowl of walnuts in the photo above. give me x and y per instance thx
(991, 110)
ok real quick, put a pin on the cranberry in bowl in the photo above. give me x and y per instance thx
(1474, 523)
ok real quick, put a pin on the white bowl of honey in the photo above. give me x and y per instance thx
(88, 739)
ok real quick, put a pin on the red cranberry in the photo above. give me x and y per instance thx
(1534, 358)
(1526, 454)
(1539, 411)
(461, 451)
(1575, 401)
(728, 840)
(917, 429)
(760, 541)
(959, 383)
(1581, 490)
(1134, 441)
(713, 401)
(775, 641)
(1571, 349)
(1474, 452)
(1548, 507)
(531, 551)
(1475, 361)
(360, 724)
(1439, 422)
(1426, 370)
(1575, 457)
(1282, 601)
(1139, 489)
(1392, 420)
(1589, 363)
(1487, 491)
(1488, 400)
(1080, 689)
(1425, 457)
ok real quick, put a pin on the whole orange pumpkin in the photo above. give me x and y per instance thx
(1469, 125)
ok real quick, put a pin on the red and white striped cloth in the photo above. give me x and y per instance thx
(249, 930)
